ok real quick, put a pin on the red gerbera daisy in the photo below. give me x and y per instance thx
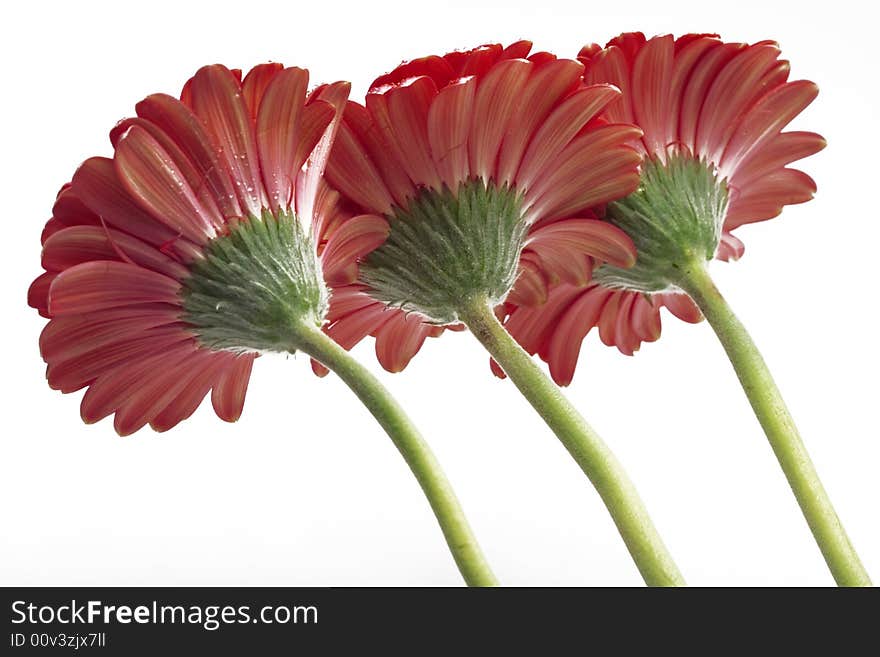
(484, 168)
(172, 265)
(141, 310)
(471, 129)
(712, 115)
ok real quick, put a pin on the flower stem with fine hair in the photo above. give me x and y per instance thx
(586, 447)
(415, 451)
(778, 425)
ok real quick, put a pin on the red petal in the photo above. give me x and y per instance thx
(78, 244)
(408, 107)
(351, 171)
(153, 178)
(498, 96)
(449, 122)
(187, 131)
(352, 240)
(399, 339)
(217, 100)
(254, 85)
(651, 76)
(279, 132)
(547, 85)
(99, 285)
(98, 185)
(595, 168)
(571, 329)
(569, 239)
(230, 390)
(560, 128)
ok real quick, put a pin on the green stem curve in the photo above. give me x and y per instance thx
(415, 451)
(582, 442)
(778, 425)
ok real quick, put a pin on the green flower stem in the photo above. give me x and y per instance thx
(779, 426)
(415, 451)
(589, 451)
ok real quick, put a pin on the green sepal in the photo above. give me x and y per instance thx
(255, 285)
(446, 248)
(674, 219)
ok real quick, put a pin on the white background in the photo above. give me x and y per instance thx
(306, 489)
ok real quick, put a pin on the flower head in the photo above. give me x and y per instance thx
(171, 265)
(712, 115)
(484, 169)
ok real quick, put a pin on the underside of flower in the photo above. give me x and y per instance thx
(675, 220)
(255, 286)
(448, 247)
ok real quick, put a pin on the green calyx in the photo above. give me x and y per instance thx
(256, 287)
(674, 219)
(448, 247)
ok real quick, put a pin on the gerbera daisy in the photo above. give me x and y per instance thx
(172, 265)
(485, 167)
(712, 116)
